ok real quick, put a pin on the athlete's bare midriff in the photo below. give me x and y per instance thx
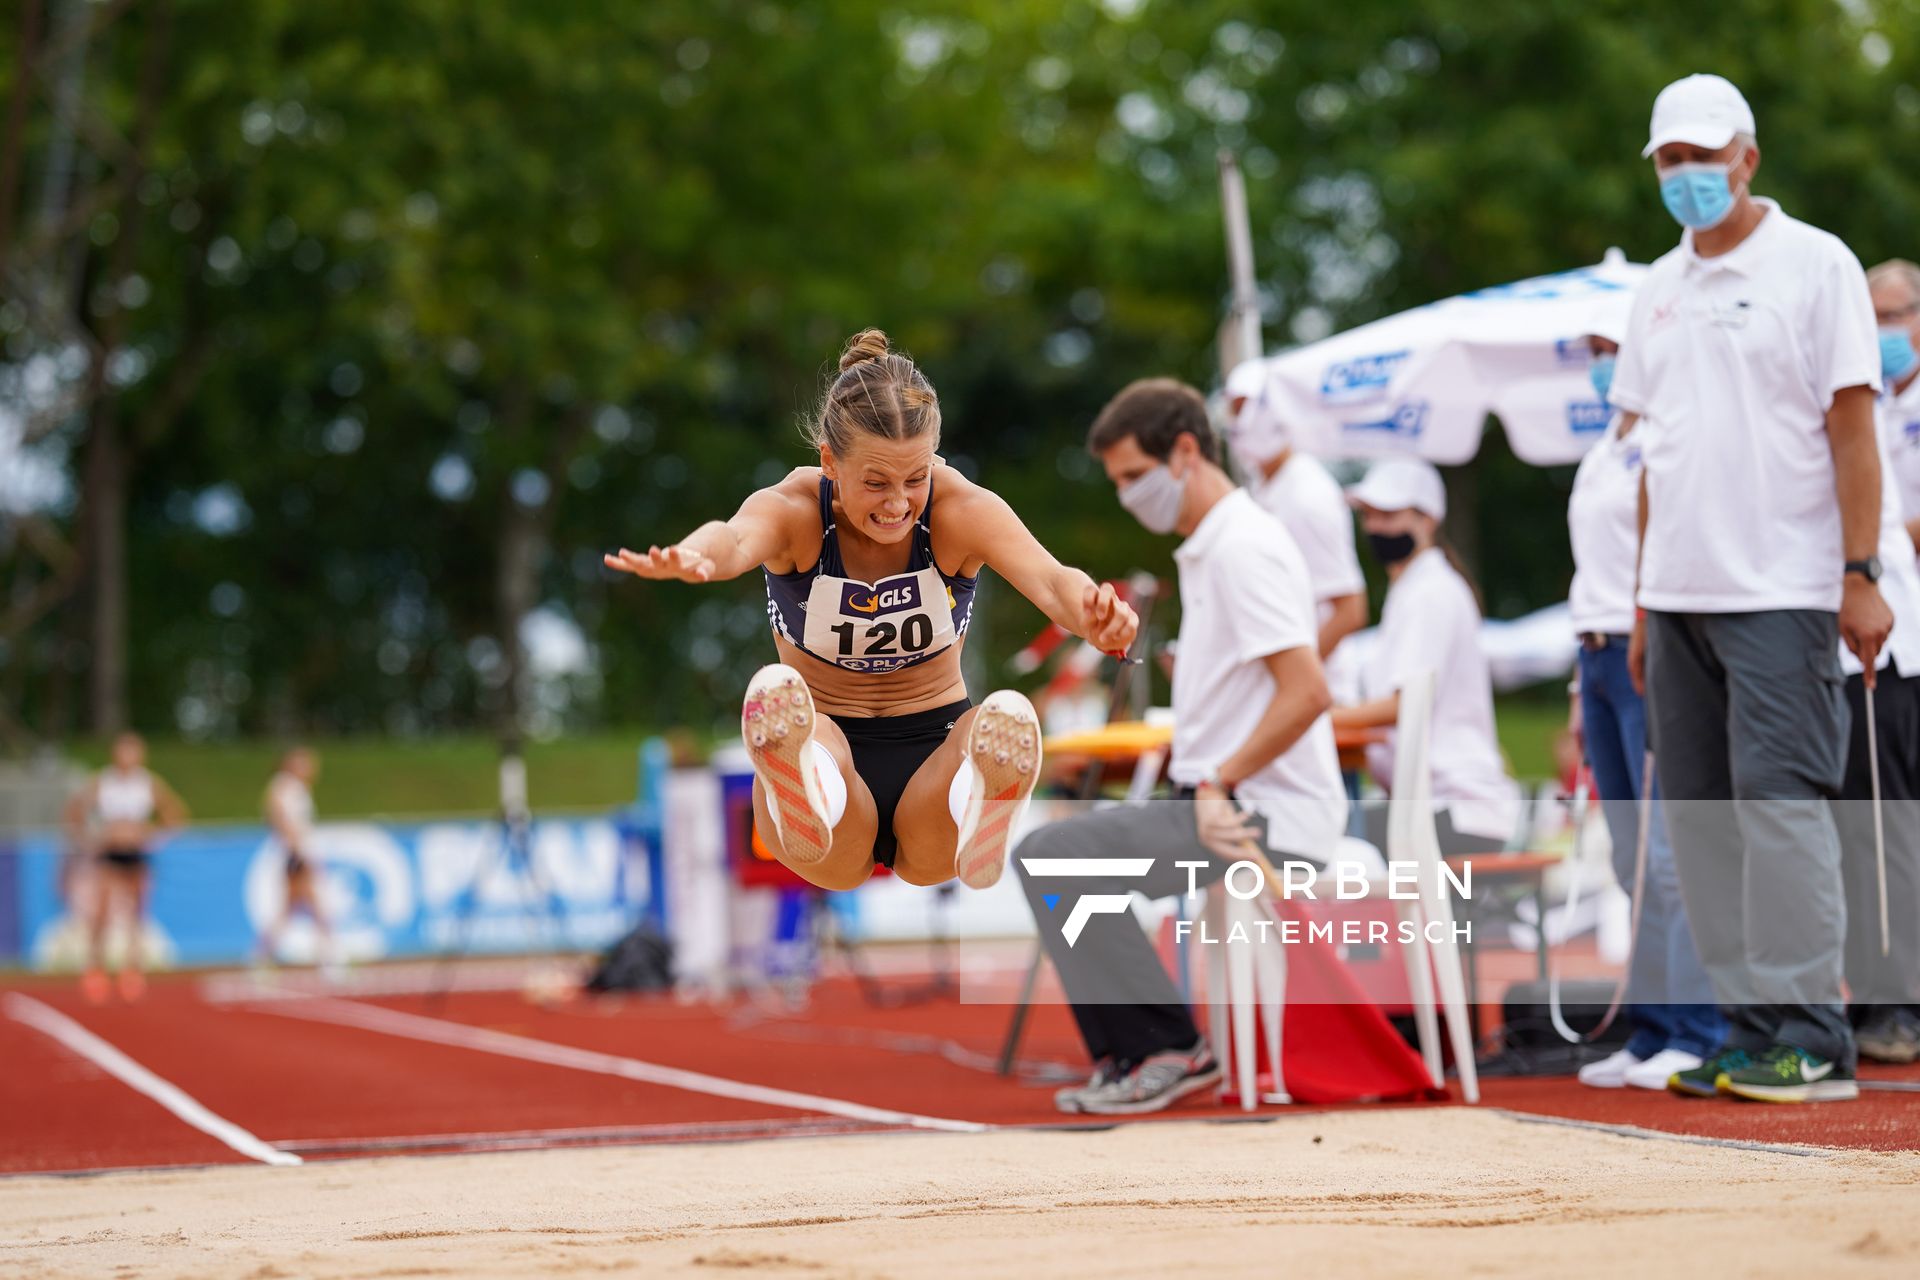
(924, 686)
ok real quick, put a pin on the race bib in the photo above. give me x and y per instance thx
(879, 626)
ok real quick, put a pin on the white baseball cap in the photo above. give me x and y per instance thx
(1248, 379)
(1705, 111)
(1394, 484)
(1609, 317)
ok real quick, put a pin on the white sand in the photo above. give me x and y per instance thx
(1434, 1193)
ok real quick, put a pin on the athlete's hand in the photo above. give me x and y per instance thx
(679, 563)
(1111, 621)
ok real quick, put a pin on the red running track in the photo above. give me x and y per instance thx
(325, 1090)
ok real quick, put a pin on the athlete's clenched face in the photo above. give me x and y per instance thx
(881, 485)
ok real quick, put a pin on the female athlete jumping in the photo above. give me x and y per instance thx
(869, 601)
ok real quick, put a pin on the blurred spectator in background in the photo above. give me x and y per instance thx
(289, 812)
(1669, 998)
(112, 824)
(1298, 491)
(1885, 989)
(1430, 621)
(1895, 286)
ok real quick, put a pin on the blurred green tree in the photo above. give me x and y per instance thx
(396, 317)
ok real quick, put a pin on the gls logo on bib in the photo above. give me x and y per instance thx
(892, 596)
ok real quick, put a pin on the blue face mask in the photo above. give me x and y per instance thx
(1897, 356)
(1699, 196)
(1601, 374)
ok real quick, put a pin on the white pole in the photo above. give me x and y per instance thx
(1240, 339)
(1879, 826)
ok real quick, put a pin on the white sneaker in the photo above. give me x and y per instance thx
(1653, 1073)
(777, 720)
(1004, 745)
(1611, 1072)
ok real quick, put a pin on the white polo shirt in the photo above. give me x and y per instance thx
(1900, 429)
(1244, 595)
(1899, 571)
(1732, 363)
(1603, 519)
(1304, 497)
(1430, 622)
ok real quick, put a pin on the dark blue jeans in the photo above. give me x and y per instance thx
(1670, 1001)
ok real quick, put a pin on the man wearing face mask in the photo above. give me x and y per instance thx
(1752, 360)
(1300, 493)
(1895, 287)
(1253, 756)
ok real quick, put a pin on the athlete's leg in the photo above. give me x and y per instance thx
(979, 779)
(93, 981)
(781, 759)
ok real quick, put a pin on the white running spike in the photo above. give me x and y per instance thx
(1003, 746)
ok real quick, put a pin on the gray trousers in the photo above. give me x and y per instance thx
(1874, 979)
(1749, 725)
(1123, 999)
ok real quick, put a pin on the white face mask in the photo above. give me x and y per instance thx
(1155, 499)
(1256, 437)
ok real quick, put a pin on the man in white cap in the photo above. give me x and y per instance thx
(1302, 495)
(1753, 361)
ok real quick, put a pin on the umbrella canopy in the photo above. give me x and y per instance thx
(1423, 382)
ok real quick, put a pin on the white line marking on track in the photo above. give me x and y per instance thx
(348, 1013)
(60, 1027)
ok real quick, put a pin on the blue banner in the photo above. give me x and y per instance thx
(387, 890)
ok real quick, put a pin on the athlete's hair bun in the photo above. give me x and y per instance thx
(868, 344)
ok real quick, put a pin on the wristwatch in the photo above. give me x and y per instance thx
(1214, 780)
(1868, 568)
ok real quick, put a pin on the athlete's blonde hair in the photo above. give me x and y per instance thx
(879, 392)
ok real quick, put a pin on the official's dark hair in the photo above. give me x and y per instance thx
(1156, 412)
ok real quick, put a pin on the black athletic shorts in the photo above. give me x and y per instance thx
(126, 859)
(887, 752)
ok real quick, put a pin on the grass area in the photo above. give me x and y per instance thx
(361, 777)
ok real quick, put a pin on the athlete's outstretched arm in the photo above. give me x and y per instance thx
(720, 549)
(1069, 597)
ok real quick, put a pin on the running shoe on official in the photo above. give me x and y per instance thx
(777, 721)
(1004, 744)
(1105, 1072)
(1891, 1035)
(1156, 1084)
(1788, 1074)
(1611, 1071)
(1703, 1081)
(1660, 1068)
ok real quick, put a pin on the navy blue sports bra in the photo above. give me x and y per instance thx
(870, 626)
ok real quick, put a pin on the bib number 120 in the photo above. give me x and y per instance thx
(914, 635)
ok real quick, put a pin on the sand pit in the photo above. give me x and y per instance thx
(1427, 1193)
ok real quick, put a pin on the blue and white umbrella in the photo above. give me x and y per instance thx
(1423, 382)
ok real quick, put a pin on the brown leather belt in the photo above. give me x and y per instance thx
(1596, 640)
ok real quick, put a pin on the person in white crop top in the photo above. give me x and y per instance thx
(113, 823)
(288, 807)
